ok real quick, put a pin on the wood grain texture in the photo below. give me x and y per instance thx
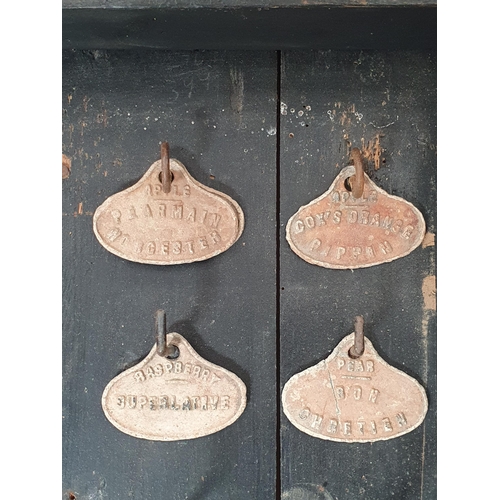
(385, 104)
(218, 113)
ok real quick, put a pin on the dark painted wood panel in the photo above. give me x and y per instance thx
(375, 26)
(218, 112)
(384, 103)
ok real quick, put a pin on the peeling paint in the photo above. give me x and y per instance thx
(429, 293)
(345, 121)
(237, 88)
(372, 151)
(429, 240)
(102, 117)
(85, 103)
(66, 166)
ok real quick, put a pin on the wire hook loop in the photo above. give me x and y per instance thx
(357, 181)
(358, 348)
(166, 175)
(162, 348)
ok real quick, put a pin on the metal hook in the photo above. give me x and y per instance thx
(357, 181)
(358, 348)
(170, 351)
(165, 167)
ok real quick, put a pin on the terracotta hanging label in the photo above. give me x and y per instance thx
(340, 231)
(354, 400)
(166, 399)
(190, 223)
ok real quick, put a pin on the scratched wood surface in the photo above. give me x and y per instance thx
(218, 112)
(385, 104)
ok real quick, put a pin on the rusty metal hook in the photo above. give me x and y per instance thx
(162, 348)
(358, 348)
(166, 178)
(357, 181)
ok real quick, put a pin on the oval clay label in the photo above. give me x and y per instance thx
(190, 223)
(339, 231)
(165, 399)
(354, 400)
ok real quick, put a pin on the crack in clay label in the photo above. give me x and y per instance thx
(190, 223)
(339, 231)
(354, 400)
(165, 399)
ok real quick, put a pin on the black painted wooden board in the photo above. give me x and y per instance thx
(354, 98)
(117, 107)
(379, 24)
(218, 112)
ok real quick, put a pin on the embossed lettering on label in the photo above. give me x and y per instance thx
(339, 231)
(165, 399)
(354, 400)
(190, 223)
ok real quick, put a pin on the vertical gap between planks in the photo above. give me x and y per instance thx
(423, 463)
(278, 281)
